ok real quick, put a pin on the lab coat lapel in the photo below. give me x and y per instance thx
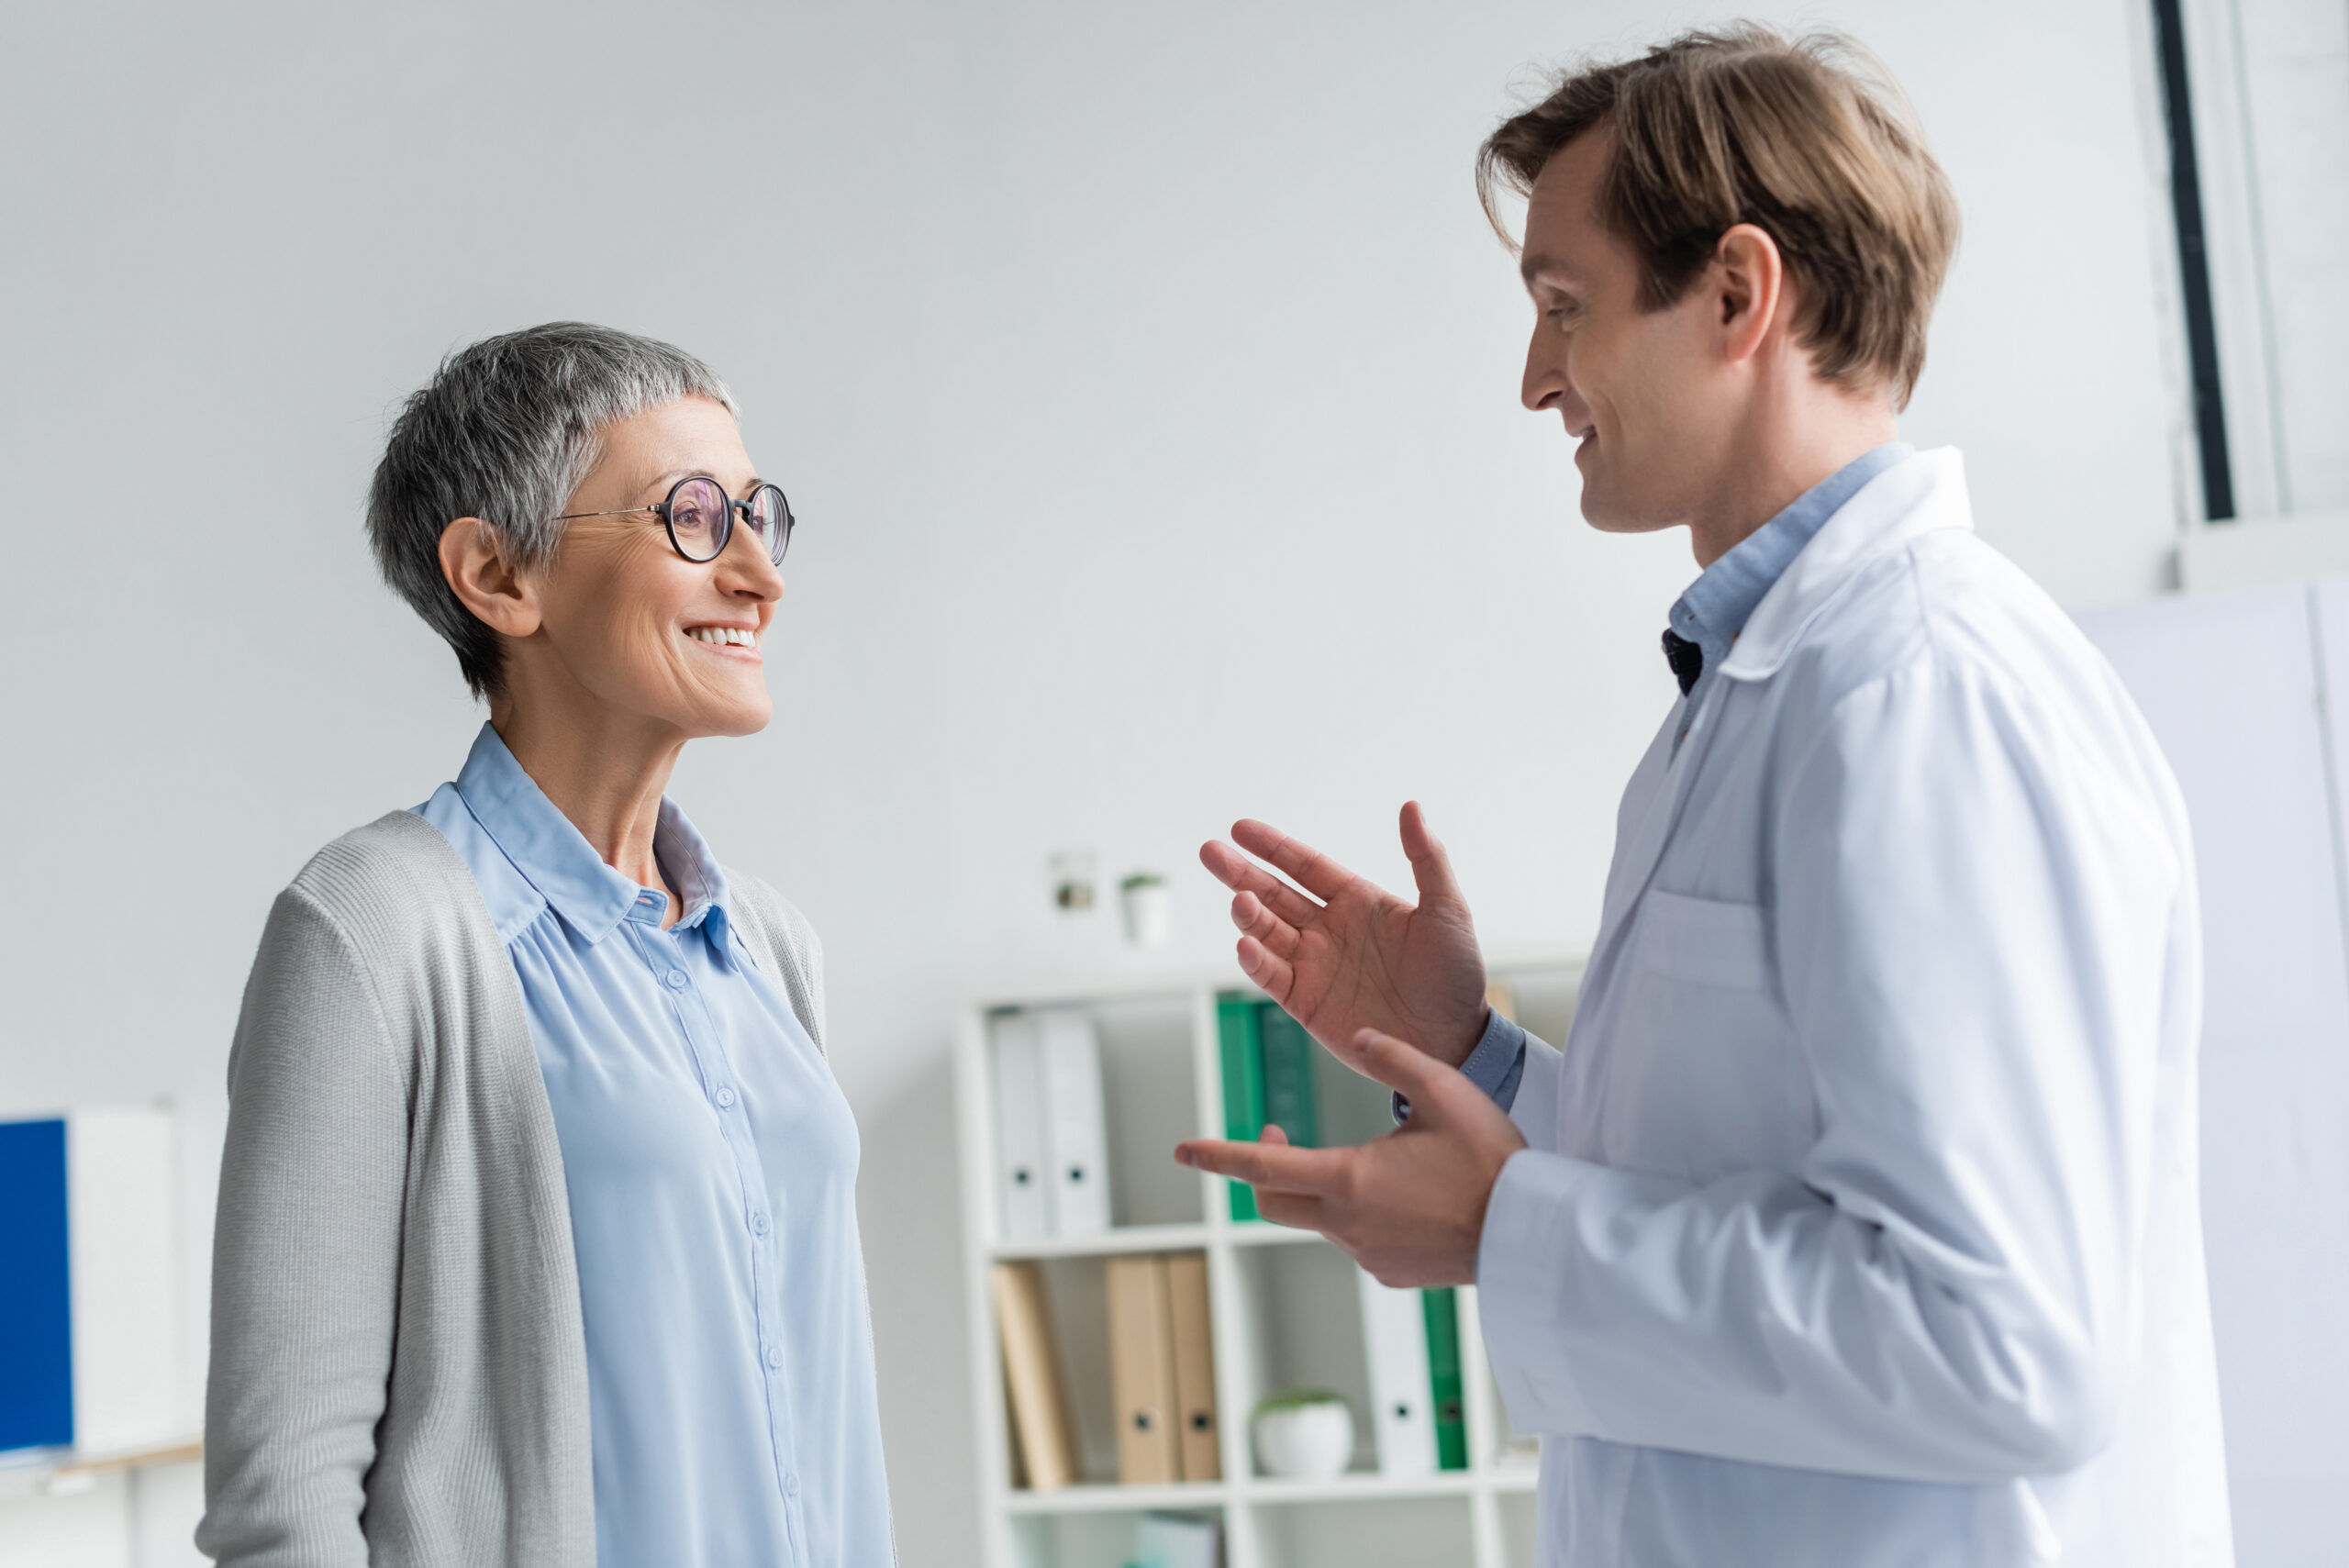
(1925, 492)
(1637, 855)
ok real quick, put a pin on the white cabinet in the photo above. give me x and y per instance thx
(2248, 694)
(1285, 1308)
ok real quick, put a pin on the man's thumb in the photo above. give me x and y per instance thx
(1430, 867)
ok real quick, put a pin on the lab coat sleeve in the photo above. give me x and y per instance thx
(1973, 899)
(1535, 1109)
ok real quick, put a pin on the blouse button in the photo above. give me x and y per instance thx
(676, 980)
(775, 1356)
(725, 1096)
(759, 1224)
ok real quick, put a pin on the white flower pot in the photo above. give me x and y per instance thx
(1306, 1442)
(1150, 914)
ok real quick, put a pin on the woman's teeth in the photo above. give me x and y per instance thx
(723, 635)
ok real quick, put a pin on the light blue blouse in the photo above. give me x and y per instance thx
(711, 1161)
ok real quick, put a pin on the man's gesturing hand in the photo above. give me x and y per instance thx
(1408, 1207)
(1352, 956)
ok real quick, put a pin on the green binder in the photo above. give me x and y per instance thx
(1441, 1308)
(1289, 1100)
(1243, 1083)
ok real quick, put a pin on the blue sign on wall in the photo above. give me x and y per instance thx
(35, 1306)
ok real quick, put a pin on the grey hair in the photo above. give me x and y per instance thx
(507, 431)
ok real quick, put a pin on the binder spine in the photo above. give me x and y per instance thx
(1394, 1343)
(1195, 1404)
(1077, 1143)
(1289, 1098)
(1023, 1193)
(1441, 1310)
(1142, 1371)
(1031, 1378)
(1241, 1048)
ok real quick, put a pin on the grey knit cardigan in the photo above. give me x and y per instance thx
(399, 1374)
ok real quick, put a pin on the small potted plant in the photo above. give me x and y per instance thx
(1149, 908)
(1305, 1434)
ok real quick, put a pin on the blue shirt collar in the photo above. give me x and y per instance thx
(1719, 603)
(557, 860)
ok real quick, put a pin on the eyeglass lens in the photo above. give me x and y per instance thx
(770, 520)
(697, 519)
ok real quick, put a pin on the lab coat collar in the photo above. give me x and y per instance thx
(1919, 495)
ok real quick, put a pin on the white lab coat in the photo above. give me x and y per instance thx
(1859, 1226)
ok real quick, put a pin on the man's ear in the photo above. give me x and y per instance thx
(1747, 281)
(474, 560)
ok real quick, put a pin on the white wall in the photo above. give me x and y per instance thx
(1146, 380)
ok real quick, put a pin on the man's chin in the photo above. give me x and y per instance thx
(1609, 516)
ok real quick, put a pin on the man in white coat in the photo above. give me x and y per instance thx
(1855, 1224)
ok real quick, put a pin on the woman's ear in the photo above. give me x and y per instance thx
(474, 559)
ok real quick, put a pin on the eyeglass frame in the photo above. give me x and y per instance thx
(664, 509)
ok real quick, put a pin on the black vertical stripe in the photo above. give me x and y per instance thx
(2193, 265)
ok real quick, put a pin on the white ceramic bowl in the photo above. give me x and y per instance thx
(1306, 1442)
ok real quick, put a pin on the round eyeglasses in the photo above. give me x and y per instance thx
(699, 517)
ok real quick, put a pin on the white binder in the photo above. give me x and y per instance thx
(1023, 1181)
(1402, 1398)
(1075, 1133)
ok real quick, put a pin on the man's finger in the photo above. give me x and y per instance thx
(1401, 1066)
(1300, 862)
(1431, 866)
(1248, 913)
(1241, 874)
(1294, 1210)
(1269, 971)
(1267, 1166)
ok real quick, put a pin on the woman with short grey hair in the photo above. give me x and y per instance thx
(537, 1240)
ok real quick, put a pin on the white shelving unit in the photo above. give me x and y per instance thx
(1283, 1303)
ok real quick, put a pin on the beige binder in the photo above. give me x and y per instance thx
(1186, 1306)
(1039, 1413)
(1142, 1370)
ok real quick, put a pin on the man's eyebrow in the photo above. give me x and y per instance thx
(1533, 263)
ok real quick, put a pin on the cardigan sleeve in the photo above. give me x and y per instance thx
(305, 1254)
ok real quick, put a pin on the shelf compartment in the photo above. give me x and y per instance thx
(1348, 1532)
(1519, 1542)
(1090, 1539)
(1301, 1327)
(1148, 1103)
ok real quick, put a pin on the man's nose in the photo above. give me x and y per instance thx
(1545, 378)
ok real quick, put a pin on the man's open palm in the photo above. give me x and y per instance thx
(1352, 955)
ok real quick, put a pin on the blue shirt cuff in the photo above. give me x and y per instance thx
(1495, 1066)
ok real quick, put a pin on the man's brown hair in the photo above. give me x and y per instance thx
(1809, 139)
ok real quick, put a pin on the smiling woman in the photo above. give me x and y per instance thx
(537, 1240)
